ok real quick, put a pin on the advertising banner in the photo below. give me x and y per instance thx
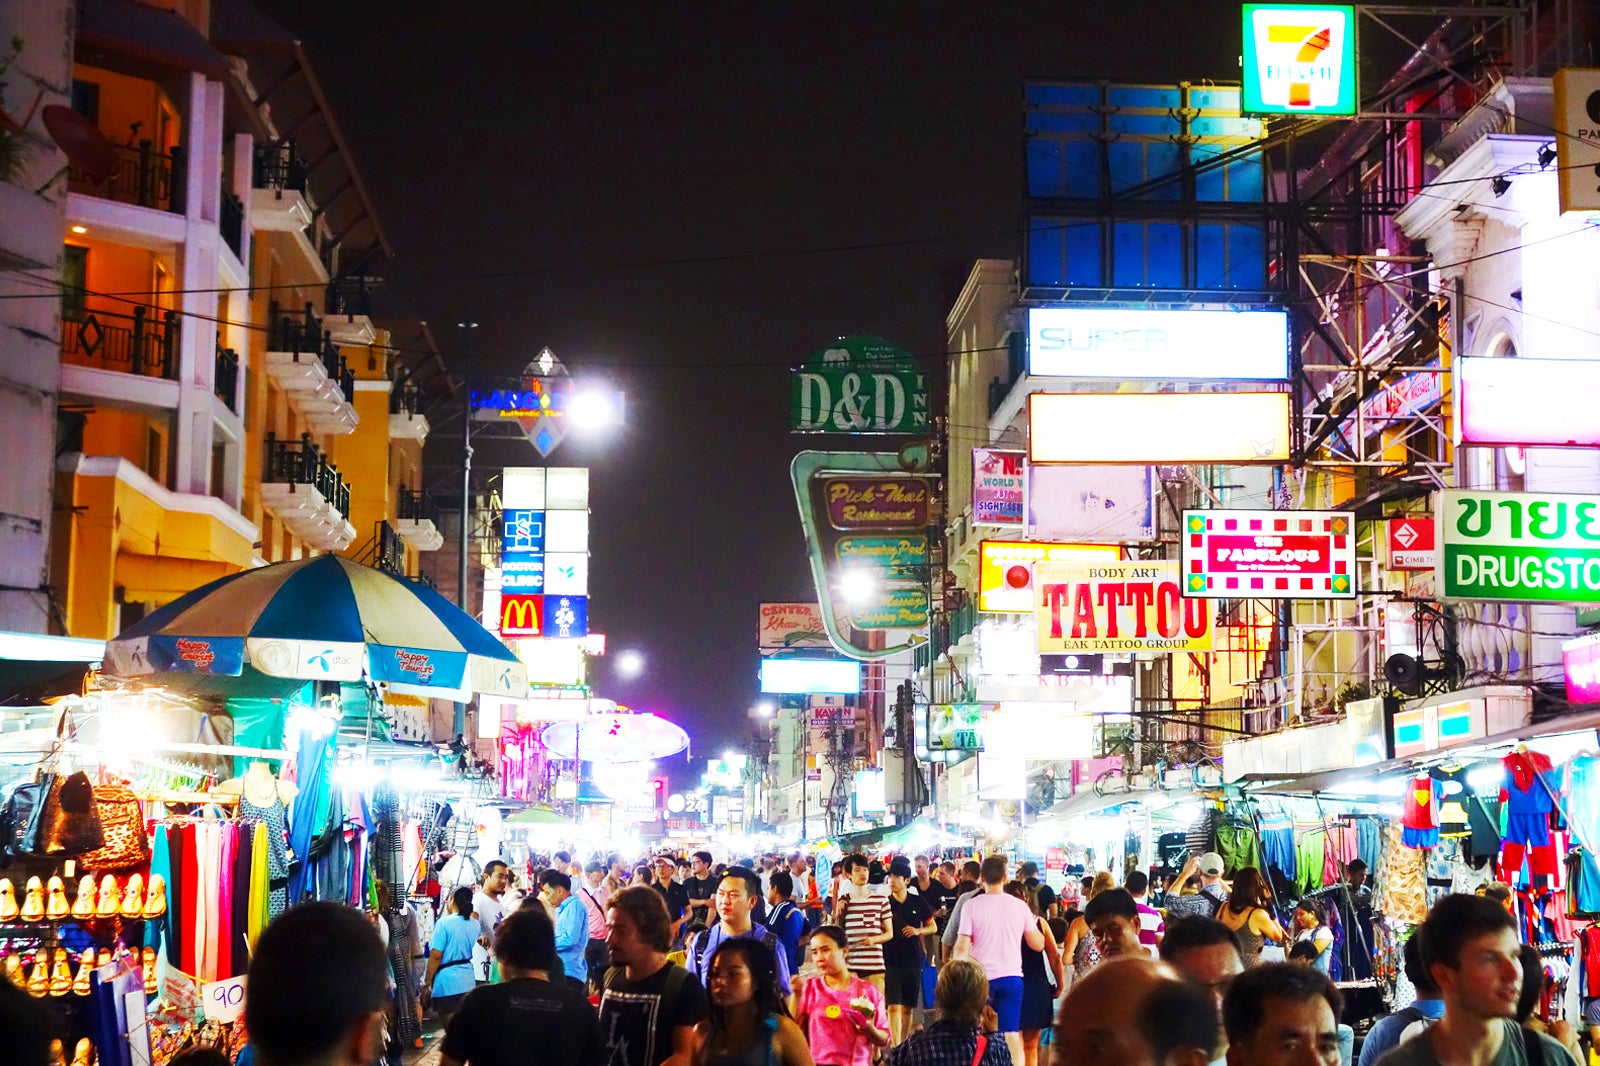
(955, 727)
(998, 484)
(866, 530)
(1580, 659)
(1578, 149)
(1405, 398)
(1285, 555)
(1166, 427)
(1005, 570)
(1091, 504)
(566, 616)
(1128, 607)
(859, 384)
(1411, 543)
(1170, 344)
(1522, 547)
(521, 615)
(1527, 402)
(1299, 59)
(523, 531)
(791, 625)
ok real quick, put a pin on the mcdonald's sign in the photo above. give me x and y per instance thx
(521, 615)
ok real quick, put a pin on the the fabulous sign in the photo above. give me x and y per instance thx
(859, 384)
(1522, 547)
(1269, 554)
(1133, 606)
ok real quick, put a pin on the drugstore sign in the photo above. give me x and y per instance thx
(1522, 547)
(1134, 606)
(1299, 59)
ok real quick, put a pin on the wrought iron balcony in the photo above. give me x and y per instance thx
(302, 463)
(279, 168)
(226, 383)
(304, 360)
(145, 342)
(388, 550)
(417, 520)
(143, 176)
(349, 296)
(288, 332)
(305, 492)
(406, 420)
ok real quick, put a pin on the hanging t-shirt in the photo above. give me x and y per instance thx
(1455, 798)
(1419, 814)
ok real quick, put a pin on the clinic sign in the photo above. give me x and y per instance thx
(1269, 554)
(1129, 607)
(1299, 59)
(859, 384)
(1164, 344)
(1521, 547)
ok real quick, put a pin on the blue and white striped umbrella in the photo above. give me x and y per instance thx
(322, 619)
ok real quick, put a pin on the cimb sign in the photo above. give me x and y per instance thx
(1176, 344)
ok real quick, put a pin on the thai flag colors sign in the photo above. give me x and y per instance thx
(1300, 555)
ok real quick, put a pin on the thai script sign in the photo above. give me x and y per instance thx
(1269, 554)
(1133, 606)
(1522, 547)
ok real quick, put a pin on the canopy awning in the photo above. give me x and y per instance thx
(35, 666)
(146, 35)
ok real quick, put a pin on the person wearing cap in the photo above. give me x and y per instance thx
(1211, 894)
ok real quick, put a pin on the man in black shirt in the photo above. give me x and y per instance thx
(1028, 874)
(911, 920)
(701, 886)
(527, 1019)
(674, 895)
(648, 1006)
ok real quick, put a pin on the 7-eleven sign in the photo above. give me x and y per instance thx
(1299, 59)
(1411, 544)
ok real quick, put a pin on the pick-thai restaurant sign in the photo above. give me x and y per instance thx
(999, 483)
(792, 625)
(1127, 607)
(1269, 554)
(876, 502)
(1522, 547)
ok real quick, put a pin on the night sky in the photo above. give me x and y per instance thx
(688, 199)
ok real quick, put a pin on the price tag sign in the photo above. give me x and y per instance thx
(180, 991)
(223, 1001)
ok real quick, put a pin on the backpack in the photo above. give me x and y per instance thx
(759, 932)
(676, 976)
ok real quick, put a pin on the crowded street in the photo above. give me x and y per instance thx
(734, 534)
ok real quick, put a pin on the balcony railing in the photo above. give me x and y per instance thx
(231, 223)
(415, 505)
(145, 342)
(143, 176)
(388, 550)
(293, 333)
(302, 463)
(279, 168)
(405, 398)
(226, 383)
(349, 296)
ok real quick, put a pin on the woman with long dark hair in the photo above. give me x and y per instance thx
(748, 1023)
(1247, 915)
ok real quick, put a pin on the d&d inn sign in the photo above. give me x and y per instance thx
(859, 384)
(1521, 547)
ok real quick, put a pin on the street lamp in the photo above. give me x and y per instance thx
(858, 586)
(466, 329)
(630, 664)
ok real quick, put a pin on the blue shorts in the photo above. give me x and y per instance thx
(1005, 996)
(1529, 830)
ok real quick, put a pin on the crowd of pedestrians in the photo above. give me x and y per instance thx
(908, 963)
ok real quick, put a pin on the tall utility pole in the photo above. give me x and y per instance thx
(466, 458)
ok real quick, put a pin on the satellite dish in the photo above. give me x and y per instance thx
(86, 148)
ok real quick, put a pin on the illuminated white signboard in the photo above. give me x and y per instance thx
(1181, 427)
(1177, 344)
(1528, 401)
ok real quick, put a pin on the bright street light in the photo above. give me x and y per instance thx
(765, 708)
(630, 663)
(594, 407)
(858, 586)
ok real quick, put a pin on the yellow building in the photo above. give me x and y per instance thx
(226, 398)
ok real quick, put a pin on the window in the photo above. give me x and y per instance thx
(155, 454)
(86, 99)
(219, 470)
(74, 282)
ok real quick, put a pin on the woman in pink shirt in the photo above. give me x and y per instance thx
(843, 1015)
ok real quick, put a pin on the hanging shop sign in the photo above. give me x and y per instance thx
(1411, 543)
(791, 625)
(1091, 504)
(1282, 555)
(1299, 59)
(1005, 570)
(955, 727)
(1521, 547)
(808, 676)
(522, 573)
(1578, 146)
(521, 615)
(1528, 402)
(859, 384)
(1028, 730)
(522, 531)
(998, 487)
(867, 536)
(566, 617)
(1130, 606)
(1406, 398)
(1170, 344)
(1181, 427)
(1580, 660)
